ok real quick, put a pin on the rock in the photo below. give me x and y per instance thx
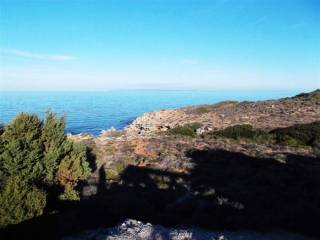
(80, 137)
(136, 230)
(110, 133)
(89, 190)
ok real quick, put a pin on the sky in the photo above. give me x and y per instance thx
(159, 44)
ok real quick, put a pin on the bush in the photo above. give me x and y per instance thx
(189, 129)
(19, 201)
(183, 130)
(69, 194)
(298, 135)
(242, 131)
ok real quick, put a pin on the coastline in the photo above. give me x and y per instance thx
(267, 114)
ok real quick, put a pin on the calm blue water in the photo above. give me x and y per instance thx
(94, 111)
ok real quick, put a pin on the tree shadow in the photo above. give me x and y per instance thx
(258, 192)
(224, 190)
(91, 157)
(102, 181)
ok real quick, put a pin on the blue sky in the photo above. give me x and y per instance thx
(159, 44)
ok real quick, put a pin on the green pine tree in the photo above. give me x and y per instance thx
(22, 149)
(33, 154)
(73, 167)
(19, 201)
(55, 145)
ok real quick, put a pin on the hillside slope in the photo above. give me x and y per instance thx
(303, 108)
(215, 181)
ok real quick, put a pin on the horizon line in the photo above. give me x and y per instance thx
(160, 89)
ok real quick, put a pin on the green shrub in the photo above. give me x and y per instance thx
(298, 135)
(242, 131)
(119, 166)
(194, 126)
(189, 129)
(69, 194)
(111, 174)
(19, 201)
(183, 130)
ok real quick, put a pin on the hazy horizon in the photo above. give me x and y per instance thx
(230, 90)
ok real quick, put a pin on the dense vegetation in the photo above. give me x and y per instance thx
(37, 164)
(189, 130)
(242, 131)
(299, 135)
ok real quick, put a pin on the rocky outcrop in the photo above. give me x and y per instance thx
(136, 230)
(303, 108)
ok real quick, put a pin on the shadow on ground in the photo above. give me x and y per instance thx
(225, 190)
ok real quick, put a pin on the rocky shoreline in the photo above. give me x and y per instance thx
(262, 114)
(269, 114)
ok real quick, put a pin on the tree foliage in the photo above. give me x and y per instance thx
(19, 201)
(73, 167)
(54, 144)
(32, 154)
(21, 147)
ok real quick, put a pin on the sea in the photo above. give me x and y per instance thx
(92, 112)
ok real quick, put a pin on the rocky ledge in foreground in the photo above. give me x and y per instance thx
(303, 108)
(136, 230)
